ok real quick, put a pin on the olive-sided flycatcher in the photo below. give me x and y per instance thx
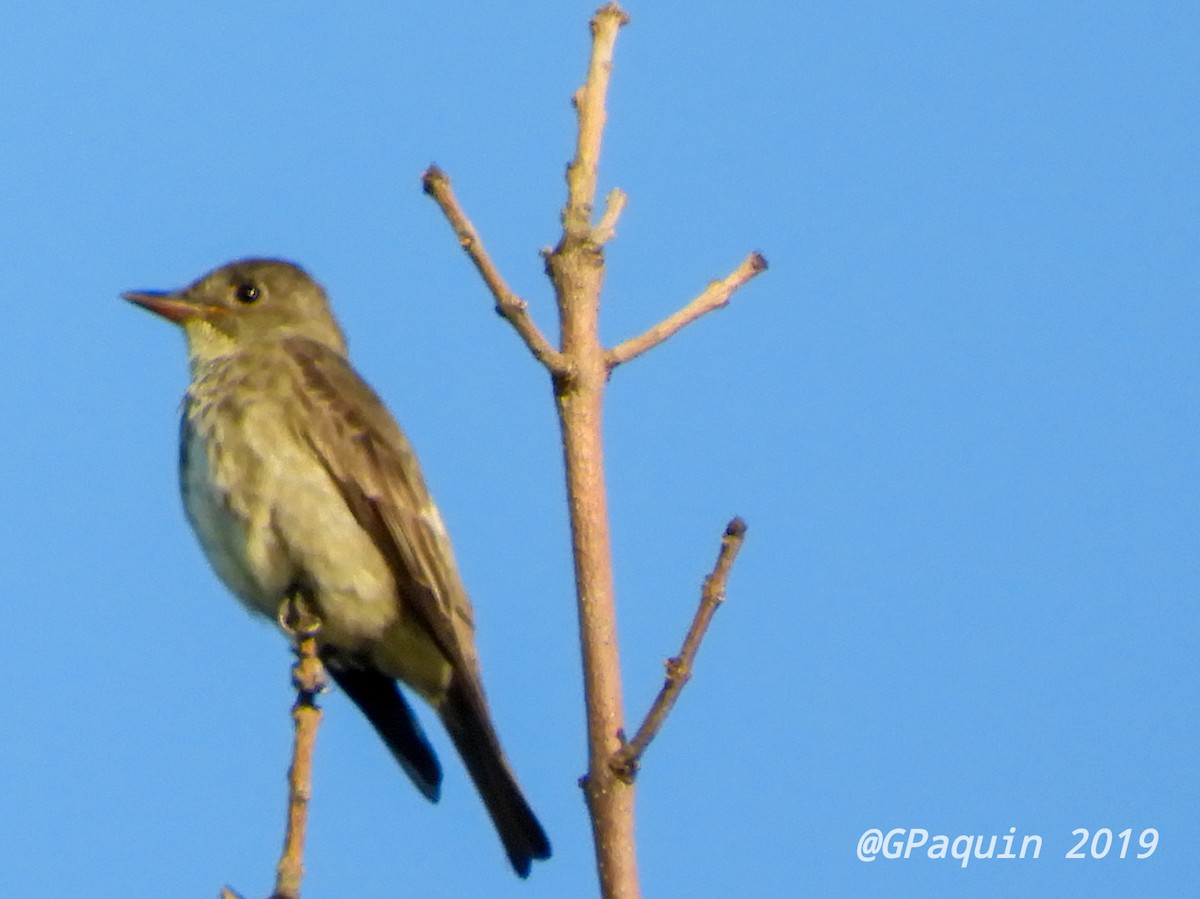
(297, 481)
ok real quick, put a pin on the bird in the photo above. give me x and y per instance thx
(298, 482)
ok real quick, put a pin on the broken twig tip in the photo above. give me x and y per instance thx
(433, 178)
(736, 528)
(613, 9)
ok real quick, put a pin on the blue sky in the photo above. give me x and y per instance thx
(958, 414)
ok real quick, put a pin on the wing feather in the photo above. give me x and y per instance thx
(375, 469)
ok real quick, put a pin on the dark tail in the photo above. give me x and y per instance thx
(465, 715)
(384, 705)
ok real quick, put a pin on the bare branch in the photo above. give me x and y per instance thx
(715, 296)
(679, 669)
(508, 304)
(581, 369)
(589, 106)
(606, 228)
(576, 269)
(308, 676)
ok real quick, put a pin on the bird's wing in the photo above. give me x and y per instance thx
(369, 458)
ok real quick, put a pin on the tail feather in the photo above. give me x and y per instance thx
(465, 715)
(380, 699)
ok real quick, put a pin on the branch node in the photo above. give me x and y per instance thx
(624, 762)
(677, 668)
(625, 765)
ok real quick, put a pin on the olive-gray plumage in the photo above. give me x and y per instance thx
(296, 478)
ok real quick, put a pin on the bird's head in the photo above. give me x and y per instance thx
(246, 302)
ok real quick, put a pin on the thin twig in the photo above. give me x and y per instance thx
(715, 296)
(308, 676)
(679, 668)
(589, 106)
(606, 228)
(508, 304)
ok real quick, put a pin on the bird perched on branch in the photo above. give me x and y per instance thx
(299, 483)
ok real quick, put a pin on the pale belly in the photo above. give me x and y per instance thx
(275, 523)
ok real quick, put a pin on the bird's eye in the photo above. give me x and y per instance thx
(247, 293)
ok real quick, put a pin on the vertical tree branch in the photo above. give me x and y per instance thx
(576, 268)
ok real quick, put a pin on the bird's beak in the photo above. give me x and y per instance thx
(170, 306)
